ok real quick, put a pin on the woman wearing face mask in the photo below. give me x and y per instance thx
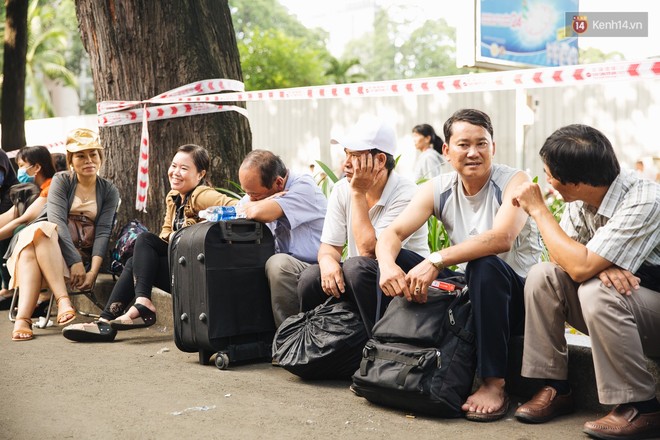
(148, 266)
(45, 253)
(35, 166)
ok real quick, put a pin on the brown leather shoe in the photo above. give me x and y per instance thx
(625, 422)
(545, 405)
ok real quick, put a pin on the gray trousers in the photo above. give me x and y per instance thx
(622, 328)
(282, 271)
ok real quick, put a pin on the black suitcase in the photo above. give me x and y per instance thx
(220, 291)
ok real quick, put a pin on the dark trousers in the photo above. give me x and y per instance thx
(361, 280)
(496, 293)
(4, 273)
(148, 267)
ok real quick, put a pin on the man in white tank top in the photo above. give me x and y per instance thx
(494, 243)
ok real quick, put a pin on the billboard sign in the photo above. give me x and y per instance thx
(525, 33)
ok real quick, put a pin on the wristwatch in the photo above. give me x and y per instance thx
(436, 260)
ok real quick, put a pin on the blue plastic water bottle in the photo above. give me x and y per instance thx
(218, 213)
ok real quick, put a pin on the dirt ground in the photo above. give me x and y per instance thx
(142, 387)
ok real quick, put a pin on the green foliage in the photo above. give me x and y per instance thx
(326, 169)
(430, 51)
(236, 193)
(556, 205)
(250, 15)
(326, 178)
(392, 51)
(338, 72)
(54, 53)
(592, 55)
(276, 50)
(438, 238)
(273, 60)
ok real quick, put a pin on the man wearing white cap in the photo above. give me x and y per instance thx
(361, 205)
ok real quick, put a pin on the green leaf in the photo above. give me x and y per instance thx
(326, 169)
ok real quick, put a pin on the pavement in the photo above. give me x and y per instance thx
(142, 387)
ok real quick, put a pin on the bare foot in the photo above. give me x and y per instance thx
(488, 398)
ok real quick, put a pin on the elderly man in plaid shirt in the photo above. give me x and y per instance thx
(603, 279)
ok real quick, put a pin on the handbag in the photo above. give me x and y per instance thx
(22, 195)
(323, 343)
(82, 231)
(422, 357)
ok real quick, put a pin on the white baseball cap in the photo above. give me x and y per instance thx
(369, 133)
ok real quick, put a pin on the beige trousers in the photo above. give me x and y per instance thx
(622, 328)
(283, 271)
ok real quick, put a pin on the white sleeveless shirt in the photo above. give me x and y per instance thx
(466, 216)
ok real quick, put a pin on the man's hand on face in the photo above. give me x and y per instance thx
(366, 171)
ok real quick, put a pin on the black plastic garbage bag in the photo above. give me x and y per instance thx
(323, 343)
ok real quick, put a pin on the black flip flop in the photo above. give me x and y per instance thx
(87, 333)
(147, 318)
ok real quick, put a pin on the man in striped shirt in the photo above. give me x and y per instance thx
(603, 279)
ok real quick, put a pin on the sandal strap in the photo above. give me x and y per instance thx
(27, 320)
(57, 300)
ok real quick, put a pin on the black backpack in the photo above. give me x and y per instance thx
(422, 357)
(22, 195)
(123, 249)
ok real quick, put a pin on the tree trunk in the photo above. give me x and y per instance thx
(142, 48)
(13, 86)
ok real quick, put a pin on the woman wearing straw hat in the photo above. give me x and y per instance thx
(46, 252)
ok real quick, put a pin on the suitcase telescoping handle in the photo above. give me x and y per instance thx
(241, 230)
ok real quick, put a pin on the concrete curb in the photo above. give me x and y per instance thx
(104, 284)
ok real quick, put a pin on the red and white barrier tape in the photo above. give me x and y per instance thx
(491, 81)
(53, 146)
(143, 169)
(201, 97)
(112, 113)
(164, 112)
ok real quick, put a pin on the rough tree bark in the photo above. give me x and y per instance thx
(141, 48)
(13, 86)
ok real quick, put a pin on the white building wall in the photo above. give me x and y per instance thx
(627, 112)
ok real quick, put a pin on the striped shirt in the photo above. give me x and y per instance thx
(625, 229)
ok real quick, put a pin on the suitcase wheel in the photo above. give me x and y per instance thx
(205, 357)
(222, 360)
